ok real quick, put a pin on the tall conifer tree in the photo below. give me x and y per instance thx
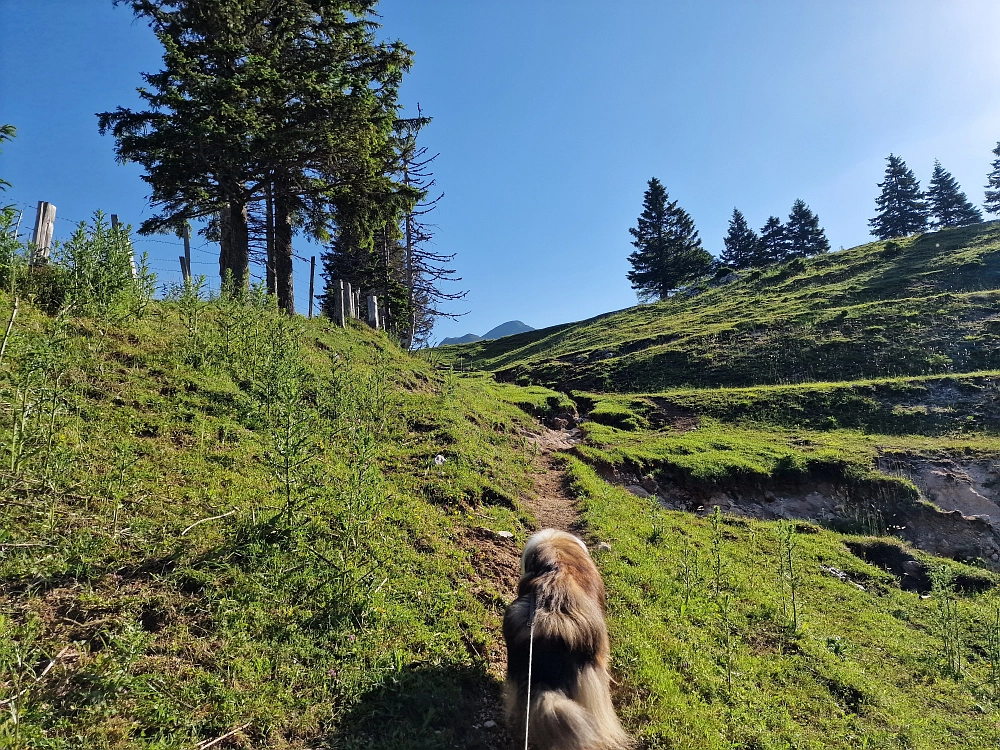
(292, 102)
(773, 243)
(902, 209)
(947, 203)
(992, 202)
(741, 243)
(803, 234)
(668, 252)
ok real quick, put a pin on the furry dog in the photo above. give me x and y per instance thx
(562, 591)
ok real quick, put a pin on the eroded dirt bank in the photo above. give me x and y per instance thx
(957, 515)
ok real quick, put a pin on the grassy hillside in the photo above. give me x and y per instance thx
(216, 518)
(778, 575)
(713, 651)
(224, 527)
(916, 306)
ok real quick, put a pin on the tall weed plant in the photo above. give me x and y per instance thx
(102, 276)
(95, 271)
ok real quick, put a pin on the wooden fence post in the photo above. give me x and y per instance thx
(185, 269)
(187, 248)
(312, 283)
(338, 303)
(348, 300)
(373, 311)
(131, 253)
(45, 220)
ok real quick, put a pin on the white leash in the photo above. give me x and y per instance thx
(531, 656)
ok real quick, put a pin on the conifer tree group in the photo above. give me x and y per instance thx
(903, 209)
(801, 236)
(269, 118)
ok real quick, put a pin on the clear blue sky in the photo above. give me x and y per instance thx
(550, 117)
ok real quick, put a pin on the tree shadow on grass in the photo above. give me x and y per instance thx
(425, 707)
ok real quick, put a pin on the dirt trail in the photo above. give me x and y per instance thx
(497, 561)
(551, 503)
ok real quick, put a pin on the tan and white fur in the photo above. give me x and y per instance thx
(570, 696)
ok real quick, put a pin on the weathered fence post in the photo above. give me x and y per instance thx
(45, 220)
(373, 311)
(185, 269)
(348, 300)
(312, 283)
(131, 252)
(187, 248)
(338, 303)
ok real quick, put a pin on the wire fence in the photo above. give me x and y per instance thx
(171, 274)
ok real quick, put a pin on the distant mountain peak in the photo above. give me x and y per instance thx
(504, 329)
(507, 329)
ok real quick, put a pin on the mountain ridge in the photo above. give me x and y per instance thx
(510, 328)
(914, 306)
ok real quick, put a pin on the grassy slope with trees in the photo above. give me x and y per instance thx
(711, 650)
(912, 306)
(219, 518)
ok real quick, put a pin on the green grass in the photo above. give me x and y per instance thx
(927, 307)
(924, 405)
(535, 400)
(217, 517)
(700, 670)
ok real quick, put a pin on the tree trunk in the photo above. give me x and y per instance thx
(283, 248)
(234, 255)
(269, 238)
(225, 242)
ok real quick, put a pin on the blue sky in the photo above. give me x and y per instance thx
(551, 116)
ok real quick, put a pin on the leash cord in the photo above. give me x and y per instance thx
(531, 655)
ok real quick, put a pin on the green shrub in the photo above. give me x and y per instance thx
(95, 272)
(617, 415)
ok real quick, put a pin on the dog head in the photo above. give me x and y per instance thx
(531, 560)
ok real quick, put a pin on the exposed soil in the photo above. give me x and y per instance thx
(673, 416)
(954, 521)
(912, 573)
(552, 503)
(970, 487)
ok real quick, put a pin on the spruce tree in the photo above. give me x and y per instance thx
(668, 252)
(424, 269)
(741, 243)
(992, 202)
(947, 203)
(902, 209)
(290, 103)
(773, 246)
(803, 234)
